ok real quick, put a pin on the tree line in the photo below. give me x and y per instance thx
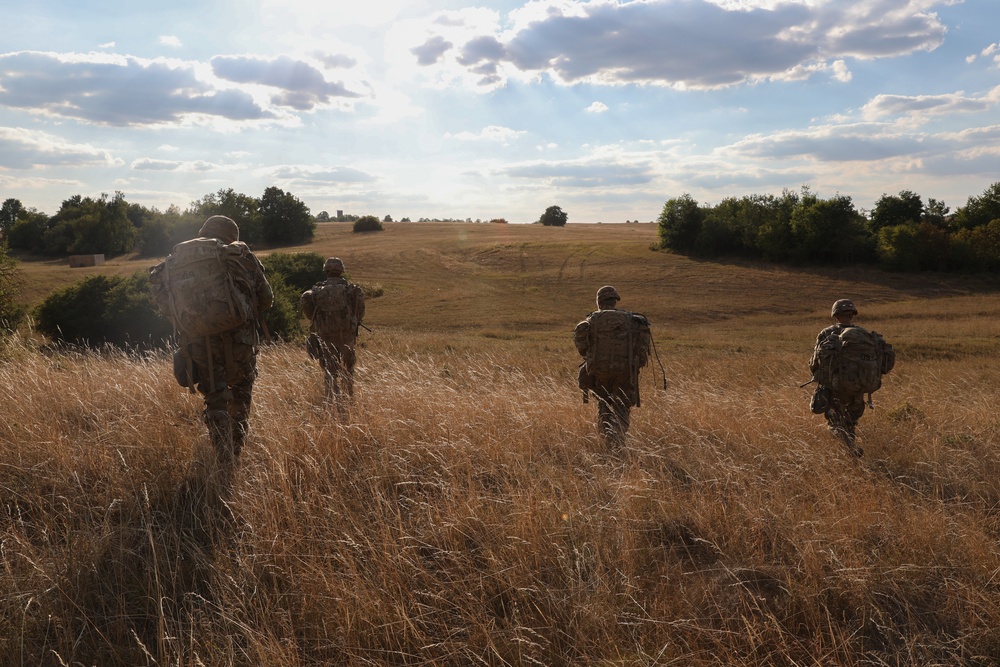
(901, 233)
(112, 226)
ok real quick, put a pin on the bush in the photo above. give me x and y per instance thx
(367, 223)
(102, 310)
(299, 270)
(283, 318)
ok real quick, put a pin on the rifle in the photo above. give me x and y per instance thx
(806, 384)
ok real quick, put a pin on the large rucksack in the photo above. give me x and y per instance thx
(203, 299)
(334, 314)
(610, 351)
(853, 361)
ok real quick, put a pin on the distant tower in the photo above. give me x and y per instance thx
(340, 214)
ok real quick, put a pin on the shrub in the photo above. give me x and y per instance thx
(102, 310)
(299, 270)
(367, 223)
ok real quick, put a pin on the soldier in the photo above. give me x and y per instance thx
(847, 362)
(214, 290)
(614, 344)
(336, 309)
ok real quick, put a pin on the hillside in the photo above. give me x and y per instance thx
(463, 510)
(530, 279)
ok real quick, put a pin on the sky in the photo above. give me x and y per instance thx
(489, 109)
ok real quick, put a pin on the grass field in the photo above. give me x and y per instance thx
(464, 512)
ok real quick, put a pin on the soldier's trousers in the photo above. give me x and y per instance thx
(842, 411)
(614, 407)
(337, 359)
(225, 372)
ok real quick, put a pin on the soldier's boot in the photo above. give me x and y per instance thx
(220, 430)
(349, 383)
(330, 388)
(240, 431)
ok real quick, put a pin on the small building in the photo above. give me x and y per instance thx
(76, 261)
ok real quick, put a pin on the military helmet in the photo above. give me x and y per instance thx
(843, 306)
(607, 293)
(333, 265)
(220, 227)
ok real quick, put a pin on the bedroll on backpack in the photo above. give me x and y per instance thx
(859, 360)
(609, 354)
(204, 299)
(333, 310)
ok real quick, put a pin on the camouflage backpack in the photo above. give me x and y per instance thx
(853, 361)
(201, 296)
(610, 351)
(334, 312)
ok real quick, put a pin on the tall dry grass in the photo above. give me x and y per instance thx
(464, 512)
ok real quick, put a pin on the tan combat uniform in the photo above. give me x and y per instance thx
(335, 349)
(223, 367)
(616, 395)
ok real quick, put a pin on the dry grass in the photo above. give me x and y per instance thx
(465, 513)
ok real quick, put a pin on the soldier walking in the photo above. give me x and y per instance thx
(848, 362)
(614, 345)
(213, 289)
(335, 309)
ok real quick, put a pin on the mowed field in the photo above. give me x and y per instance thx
(463, 510)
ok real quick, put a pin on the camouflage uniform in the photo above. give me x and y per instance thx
(616, 397)
(335, 350)
(842, 410)
(224, 367)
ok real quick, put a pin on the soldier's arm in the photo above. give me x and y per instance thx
(265, 295)
(581, 337)
(359, 303)
(307, 304)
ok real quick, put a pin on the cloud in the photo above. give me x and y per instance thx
(920, 107)
(431, 51)
(170, 40)
(489, 133)
(196, 166)
(117, 90)
(838, 143)
(594, 174)
(311, 175)
(300, 85)
(27, 149)
(597, 107)
(681, 43)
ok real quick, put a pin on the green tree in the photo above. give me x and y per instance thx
(11, 282)
(243, 209)
(554, 216)
(906, 208)
(9, 214)
(284, 218)
(830, 230)
(104, 228)
(980, 210)
(680, 223)
(28, 233)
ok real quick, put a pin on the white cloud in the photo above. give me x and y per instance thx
(27, 149)
(921, 107)
(697, 44)
(597, 107)
(492, 133)
(170, 40)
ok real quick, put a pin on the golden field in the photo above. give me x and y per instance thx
(464, 512)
